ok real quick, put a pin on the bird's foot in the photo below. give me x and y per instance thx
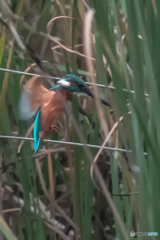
(54, 128)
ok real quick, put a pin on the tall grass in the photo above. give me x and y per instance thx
(54, 194)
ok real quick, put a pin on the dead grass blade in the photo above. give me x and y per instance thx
(88, 50)
(154, 7)
(101, 149)
(59, 17)
(72, 51)
(50, 171)
(61, 45)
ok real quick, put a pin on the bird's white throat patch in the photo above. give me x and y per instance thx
(64, 83)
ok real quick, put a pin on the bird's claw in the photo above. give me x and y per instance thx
(54, 128)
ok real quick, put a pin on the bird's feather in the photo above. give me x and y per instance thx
(38, 93)
(33, 96)
(37, 130)
(24, 108)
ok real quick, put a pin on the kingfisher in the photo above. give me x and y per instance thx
(48, 105)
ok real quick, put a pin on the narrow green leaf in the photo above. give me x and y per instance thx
(5, 230)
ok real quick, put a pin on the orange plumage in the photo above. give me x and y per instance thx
(49, 101)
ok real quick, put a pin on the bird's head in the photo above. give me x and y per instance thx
(72, 83)
(76, 85)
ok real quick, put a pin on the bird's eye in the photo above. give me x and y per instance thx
(81, 86)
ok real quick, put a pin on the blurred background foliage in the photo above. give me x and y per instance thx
(54, 194)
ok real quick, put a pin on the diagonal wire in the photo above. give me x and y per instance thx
(70, 143)
(33, 74)
(23, 73)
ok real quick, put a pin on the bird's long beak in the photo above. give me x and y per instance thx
(89, 93)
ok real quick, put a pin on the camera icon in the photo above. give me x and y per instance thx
(132, 234)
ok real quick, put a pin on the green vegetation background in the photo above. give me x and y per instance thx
(51, 195)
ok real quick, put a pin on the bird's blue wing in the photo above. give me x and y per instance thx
(37, 130)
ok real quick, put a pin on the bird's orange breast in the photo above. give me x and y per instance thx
(52, 110)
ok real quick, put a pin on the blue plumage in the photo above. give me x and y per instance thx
(73, 78)
(37, 130)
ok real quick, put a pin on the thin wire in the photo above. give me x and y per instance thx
(23, 73)
(69, 143)
(33, 74)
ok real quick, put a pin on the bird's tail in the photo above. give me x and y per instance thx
(37, 130)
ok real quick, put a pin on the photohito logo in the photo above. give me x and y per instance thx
(152, 234)
(132, 234)
(136, 234)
